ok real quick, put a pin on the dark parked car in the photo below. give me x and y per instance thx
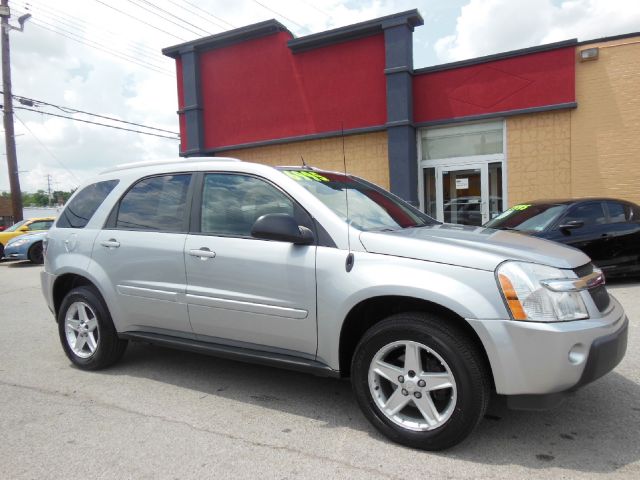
(607, 230)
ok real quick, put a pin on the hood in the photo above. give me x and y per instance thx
(474, 247)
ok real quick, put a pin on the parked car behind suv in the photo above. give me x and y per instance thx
(606, 229)
(22, 227)
(26, 247)
(275, 266)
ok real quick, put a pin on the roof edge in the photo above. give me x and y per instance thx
(609, 39)
(237, 35)
(412, 18)
(498, 56)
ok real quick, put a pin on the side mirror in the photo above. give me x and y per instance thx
(23, 229)
(571, 225)
(281, 227)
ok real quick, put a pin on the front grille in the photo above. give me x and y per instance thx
(599, 294)
(584, 270)
(600, 297)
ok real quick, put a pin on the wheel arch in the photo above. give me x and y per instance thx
(32, 246)
(64, 284)
(369, 312)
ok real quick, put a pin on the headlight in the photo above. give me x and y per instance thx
(528, 298)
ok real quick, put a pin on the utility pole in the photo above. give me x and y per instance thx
(9, 134)
(48, 189)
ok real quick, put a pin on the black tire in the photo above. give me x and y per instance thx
(36, 254)
(1, 251)
(463, 359)
(109, 348)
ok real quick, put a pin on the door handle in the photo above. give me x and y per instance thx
(203, 253)
(111, 243)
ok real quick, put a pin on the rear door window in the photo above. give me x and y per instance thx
(82, 206)
(619, 212)
(156, 203)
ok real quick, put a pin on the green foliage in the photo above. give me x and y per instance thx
(41, 199)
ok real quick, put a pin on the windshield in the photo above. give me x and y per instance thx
(15, 226)
(370, 207)
(529, 218)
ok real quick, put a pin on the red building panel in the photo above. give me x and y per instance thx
(259, 90)
(527, 81)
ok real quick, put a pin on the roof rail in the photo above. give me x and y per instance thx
(151, 163)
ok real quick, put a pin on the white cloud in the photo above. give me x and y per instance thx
(491, 26)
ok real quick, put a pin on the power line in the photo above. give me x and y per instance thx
(96, 123)
(175, 16)
(75, 110)
(84, 39)
(316, 8)
(45, 148)
(105, 50)
(132, 2)
(202, 11)
(83, 25)
(279, 14)
(139, 20)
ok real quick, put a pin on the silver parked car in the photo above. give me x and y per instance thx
(327, 273)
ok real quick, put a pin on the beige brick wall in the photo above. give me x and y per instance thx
(366, 155)
(605, 141)
(538, 156)
(593, 150)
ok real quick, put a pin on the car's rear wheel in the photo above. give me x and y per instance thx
(420, 381)
(86, 330)
(36, 254)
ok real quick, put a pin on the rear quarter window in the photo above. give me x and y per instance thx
(82, 206)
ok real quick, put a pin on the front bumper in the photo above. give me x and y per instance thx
(15, 253)
(530, 360)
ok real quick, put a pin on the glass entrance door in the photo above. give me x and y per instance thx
(462, 195)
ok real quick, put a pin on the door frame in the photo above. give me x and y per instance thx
(484, 187)
(462, 163)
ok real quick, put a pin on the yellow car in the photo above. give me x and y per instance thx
(25, 226)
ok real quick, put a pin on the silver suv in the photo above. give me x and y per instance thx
(327, 273)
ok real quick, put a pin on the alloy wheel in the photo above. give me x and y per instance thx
(81, 329)
(412, 385)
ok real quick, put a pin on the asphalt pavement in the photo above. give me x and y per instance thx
(165, 414)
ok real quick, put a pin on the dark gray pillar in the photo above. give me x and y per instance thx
(403, 170)
(192, 109)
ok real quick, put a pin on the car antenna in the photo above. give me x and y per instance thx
(348, 265)
(304, 164)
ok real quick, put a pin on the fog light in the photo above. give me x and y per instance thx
(577, 354)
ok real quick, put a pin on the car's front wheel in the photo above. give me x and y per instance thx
(420, 381)
(36, 254)
(86, 330)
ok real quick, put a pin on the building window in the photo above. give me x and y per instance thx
(462, 140)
